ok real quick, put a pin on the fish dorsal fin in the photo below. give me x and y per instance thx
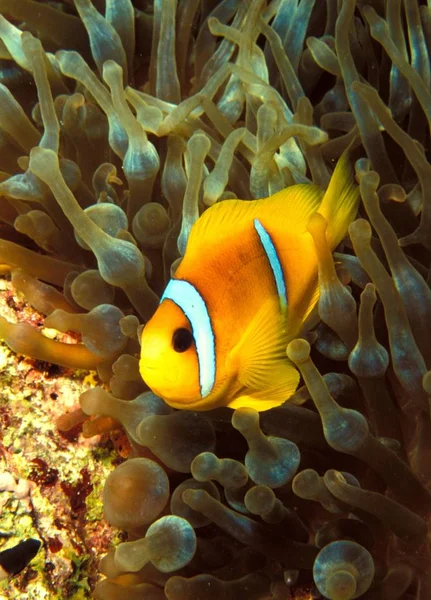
(260, 357)
(221, 221)
(291, 207)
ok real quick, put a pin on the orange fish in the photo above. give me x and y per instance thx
(245, 287)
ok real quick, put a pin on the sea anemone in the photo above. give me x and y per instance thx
(121, 122)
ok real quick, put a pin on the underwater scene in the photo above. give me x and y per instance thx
(215, 303)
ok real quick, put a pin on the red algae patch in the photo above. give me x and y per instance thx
(50, 483)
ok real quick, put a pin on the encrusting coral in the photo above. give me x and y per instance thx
(120, 123)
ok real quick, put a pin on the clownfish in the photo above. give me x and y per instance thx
(246, 286)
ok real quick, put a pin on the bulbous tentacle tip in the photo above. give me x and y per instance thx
(43, 161)
(426, 382)
(362, 166)
(259, 500)
(169, 544)
(361, 230)
(298, 351)
(135, 494)
(245, 417)
(112, 72)
(317, 225)
(368, 180)
(343, 570)
(368, 358)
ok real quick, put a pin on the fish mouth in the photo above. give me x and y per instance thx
(153, 367)
(148, 371)
(147, 367)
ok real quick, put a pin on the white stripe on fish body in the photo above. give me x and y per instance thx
(274, 263)
(186, 297)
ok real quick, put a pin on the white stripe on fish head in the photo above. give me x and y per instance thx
(186, 297)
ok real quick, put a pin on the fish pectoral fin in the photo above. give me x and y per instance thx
(262, 344)
(260, 360)
(282, 381)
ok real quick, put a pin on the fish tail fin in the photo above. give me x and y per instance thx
(340, 202)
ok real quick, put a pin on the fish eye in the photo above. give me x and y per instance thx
(182, 339)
